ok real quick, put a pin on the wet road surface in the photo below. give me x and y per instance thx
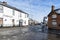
(26, 33)
(52, 35)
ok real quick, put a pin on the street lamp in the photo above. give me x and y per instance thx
(44, 20)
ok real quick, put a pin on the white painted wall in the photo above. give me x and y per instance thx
(24, 19)
(7, 21)
(16, 17)
(1, 14)
(8, 11)
(7, 16)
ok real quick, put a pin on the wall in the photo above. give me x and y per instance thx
(58, 22)
(16, 17)
(8, 16)
(7, 21)
(8, 11)
(24, 19)
(1, 12)
(50, 22)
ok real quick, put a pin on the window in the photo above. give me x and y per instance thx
(5, 19)
(20, 15)
(26, 16)
(21, 20)
(1, 9)
(54, 23)
(54, 20)
(12, 20)
(13, 12)
(54, 16)
(25, 22)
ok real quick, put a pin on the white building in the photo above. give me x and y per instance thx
(11, 16)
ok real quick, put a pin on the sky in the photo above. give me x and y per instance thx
(37, 9)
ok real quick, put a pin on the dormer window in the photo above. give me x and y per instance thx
(54, 16)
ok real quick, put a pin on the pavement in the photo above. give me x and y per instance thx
(9, 31)
(26, 33)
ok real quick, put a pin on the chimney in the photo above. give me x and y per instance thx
(52, 8)
(4, 3)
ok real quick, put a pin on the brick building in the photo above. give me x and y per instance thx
(54, 18)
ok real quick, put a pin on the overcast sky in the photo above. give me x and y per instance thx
(37, 9)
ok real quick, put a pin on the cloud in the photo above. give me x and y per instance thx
(37, 8)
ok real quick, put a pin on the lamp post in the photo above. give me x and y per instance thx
(44, 26)
(44, 20)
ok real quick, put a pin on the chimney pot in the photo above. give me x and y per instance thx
(53, 7)
(4, 3)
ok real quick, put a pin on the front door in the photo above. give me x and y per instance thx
(1, 22)
(20, 24)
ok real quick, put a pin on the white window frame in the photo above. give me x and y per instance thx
(13, 12)
(20, 14)
(54, 23)
(54, 20)
(25, 22)
(54, 16)
(1, 9)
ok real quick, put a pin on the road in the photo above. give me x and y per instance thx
(23, 33)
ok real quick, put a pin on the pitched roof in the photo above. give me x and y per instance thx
(57, 11)
(6, 5)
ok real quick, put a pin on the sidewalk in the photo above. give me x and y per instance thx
(13, 30)
(22, 33)
(9, 31)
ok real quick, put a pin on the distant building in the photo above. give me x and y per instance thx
(54, 18)
(11, 16)
(36, 22)
(32, 22)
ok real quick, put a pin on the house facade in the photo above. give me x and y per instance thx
(11, 16)
(32, 22)
(54, 18)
